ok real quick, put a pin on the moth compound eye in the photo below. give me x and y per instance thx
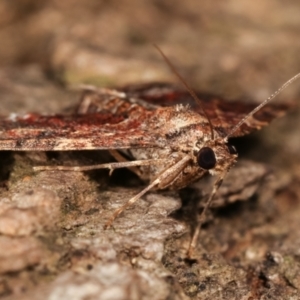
(231, 149)
(206, 158)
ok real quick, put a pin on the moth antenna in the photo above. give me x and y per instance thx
(188, 88)
(240, 123)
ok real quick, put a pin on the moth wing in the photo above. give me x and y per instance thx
(223, 114)
(118, 124)
(35, 132)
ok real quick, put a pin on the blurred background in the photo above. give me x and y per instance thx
(234, 48)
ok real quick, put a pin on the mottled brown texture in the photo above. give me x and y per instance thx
(118, 124)
(176, 134)
(223, 114)
(248, 249)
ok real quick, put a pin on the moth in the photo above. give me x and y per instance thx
(168, 136)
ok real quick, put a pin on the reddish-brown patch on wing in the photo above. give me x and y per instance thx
(74, 132)
(225, 115)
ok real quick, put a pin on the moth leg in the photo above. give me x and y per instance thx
(110, 166)
(120, 158)
(167, 176)
(202, 217)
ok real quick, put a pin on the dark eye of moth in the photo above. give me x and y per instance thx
(231, 149)
(206, 158)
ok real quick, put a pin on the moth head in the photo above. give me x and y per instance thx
(216, 156)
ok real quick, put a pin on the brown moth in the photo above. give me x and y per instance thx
(169, 146)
